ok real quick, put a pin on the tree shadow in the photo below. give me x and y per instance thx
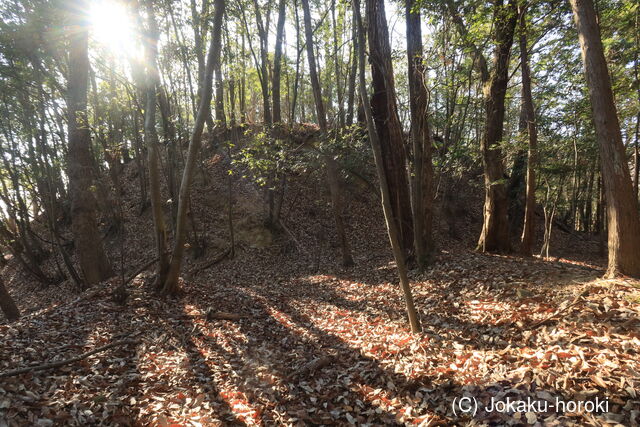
(351, 383)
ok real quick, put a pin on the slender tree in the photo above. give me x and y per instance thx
(171, 283)
(200, 30)
(376, 144)
(422, 177)
(353, 73)
(221, 119)
(277, 63)
(330, 164)
(528, 228)
(263, 69)
(151, 139)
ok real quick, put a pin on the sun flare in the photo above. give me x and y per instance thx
(112, 27)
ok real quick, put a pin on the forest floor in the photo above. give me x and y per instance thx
(316, 344)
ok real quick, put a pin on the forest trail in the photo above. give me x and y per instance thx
(318, 344)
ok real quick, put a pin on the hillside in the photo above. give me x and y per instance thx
(310, 342)
(319, 213)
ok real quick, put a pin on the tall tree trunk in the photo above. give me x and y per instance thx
(199, 34)
(495, 227)
(528, 228)
(296, 81)
(184, 56)
(137, 145)
(277, 63)
(264, 64)
(636, 75)
(151, 139)
(336, 63)
(8, 306)
(171, 283)
(422, 177)
(588, 202)
(575, 181)
(313, 73)
(351, 91)
(243, 83)
(88, 242)
(221, 120)
(388, 128)
(622, 204)
(636, 149)
(333, 176)
(376, 144)
(170, 141)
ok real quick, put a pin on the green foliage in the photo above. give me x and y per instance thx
(266, 157)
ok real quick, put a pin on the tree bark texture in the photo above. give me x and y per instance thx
(86, 235)
(623, 221)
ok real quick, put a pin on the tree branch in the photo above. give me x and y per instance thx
(60, 363)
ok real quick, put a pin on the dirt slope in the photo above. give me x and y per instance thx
(317, 344)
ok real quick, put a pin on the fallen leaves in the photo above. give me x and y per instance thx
(291, 344)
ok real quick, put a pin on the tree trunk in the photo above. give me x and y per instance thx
(575, 182)
(516, 186)
(199, 33)
(313, 74)
(171, 284)
(636, 75)
(622, 204)
(422, 177)
(151, 139)
(333, 174)
(549, 209)
(636, 149)
(243, 83)
(351, 91)
(170, 141)
(296, 81)
(277, 63)
(528, 228)
(88, 242)
(221, 120)
(264, 65)
(7, 304)
(392, 224)
(336, 62)
(588, 202)
(495, 228)
(388, 128)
